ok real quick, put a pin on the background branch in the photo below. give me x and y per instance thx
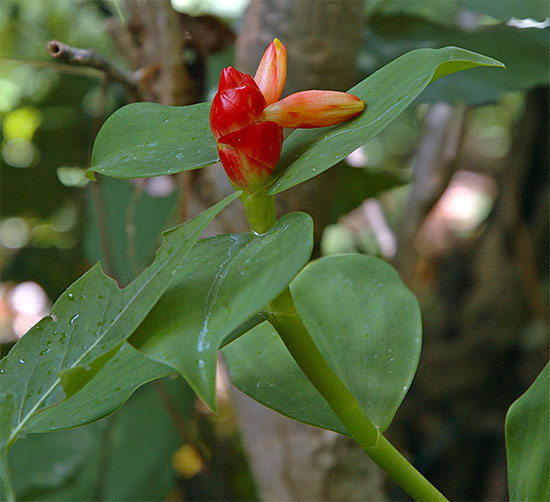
(87, 57)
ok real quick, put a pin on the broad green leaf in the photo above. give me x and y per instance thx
(91, 318)
(261, 367)
(110, 388)
(525, 51)
(367, 326)
(218, 286)
(148, 139)
(528, 442)
(307, 153)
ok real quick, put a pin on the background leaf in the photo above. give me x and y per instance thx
(367, 326)
(149, 139)
(221, 284)
(126, 206)
(308, 153)
(91, 318)
(88, 463)
(528, 442)
(355, 185)
(261, 367)
(47, 462)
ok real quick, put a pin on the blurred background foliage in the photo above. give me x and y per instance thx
(54, 224)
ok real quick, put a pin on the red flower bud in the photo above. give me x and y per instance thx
(247, 120)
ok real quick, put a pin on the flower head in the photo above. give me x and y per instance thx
(247, 118)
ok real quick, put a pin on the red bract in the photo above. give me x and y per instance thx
(247, 120)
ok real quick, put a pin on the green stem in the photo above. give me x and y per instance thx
(260, 210)
(303, 349)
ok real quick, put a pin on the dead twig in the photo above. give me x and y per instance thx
(87, 57)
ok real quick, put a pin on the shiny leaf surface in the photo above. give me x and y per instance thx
(308, 153)
(90, 319)
(367, 326)
(149, 139)
(218, 286)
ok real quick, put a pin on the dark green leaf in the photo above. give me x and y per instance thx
(528, 442)
(387, 93)
(220, 285)
(148, 139)
(114, 383)
(261, 367)
(46, 462)
(91, 318)
(367, 326)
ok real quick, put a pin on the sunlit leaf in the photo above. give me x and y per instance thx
(367, 326)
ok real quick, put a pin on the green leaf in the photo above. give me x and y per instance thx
(261, 367)
(528, 442)
(148, 139)
(91, 318)
(143, 441)
(88, 463)
(307, 153)
(218, 286)
(110, 388)
(367, 326)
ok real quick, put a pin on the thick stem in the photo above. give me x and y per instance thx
(304, 351)
(260, 210)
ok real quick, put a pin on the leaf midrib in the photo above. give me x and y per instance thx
(26, 418)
